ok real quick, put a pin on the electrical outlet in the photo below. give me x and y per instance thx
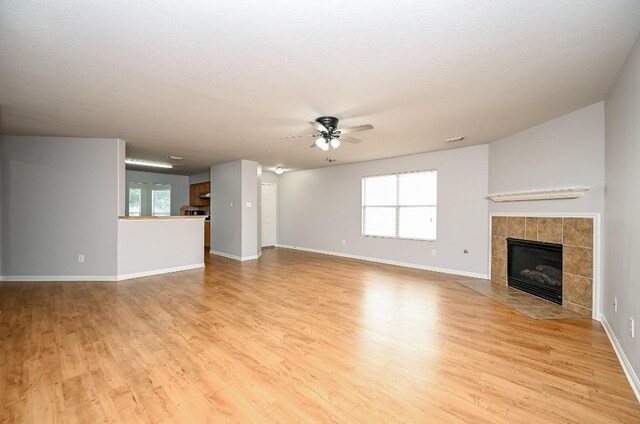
(344, 242)
(249, 204)
(433, 252)
(80, 258)
(632, 327)
(615, 304)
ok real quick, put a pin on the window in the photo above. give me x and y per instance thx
(400, 205)
(135, 201)
(149, 199)
(161, 202)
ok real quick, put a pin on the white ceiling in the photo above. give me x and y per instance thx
(220, 81)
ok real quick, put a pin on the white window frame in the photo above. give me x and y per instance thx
(397, 206)
(146, 196)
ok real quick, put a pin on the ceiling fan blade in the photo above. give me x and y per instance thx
(298, 136)
(318, 126)
(349, 139)
(355, 129)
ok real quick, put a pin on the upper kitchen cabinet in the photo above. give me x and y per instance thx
(199, 194)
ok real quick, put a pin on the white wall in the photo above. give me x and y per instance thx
(319, 208)
(622, 200)
(258, 211)
(226, 220)
(250, 214)
(202, 177)
(566, 151)
(123, 201)
(235, 230)
(1, 202)
(154, 246)
(61, 198)
(179, 187)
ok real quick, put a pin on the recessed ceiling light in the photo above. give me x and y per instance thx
(147, 163)
(174, 157)
(451, 140)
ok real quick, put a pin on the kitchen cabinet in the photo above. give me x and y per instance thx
(207, 234)
(196, 191)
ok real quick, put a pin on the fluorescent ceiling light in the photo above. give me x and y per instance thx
(146, 163)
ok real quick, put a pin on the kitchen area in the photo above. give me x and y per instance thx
(156, 195)
(166, 223)
(200, 205)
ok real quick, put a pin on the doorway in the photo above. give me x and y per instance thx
(268, 220)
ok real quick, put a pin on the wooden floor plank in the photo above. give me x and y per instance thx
(296, 337)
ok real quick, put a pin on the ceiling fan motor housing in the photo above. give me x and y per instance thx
(329, 122)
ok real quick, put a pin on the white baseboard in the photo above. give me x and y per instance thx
(237, 258)
(123, 277)
(389, 262)
(55, 278)
(624, 361)
(58, 278)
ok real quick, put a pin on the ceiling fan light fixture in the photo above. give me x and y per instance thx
(279, 170)
(322, 144)
(335, 143)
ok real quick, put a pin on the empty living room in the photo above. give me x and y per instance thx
(338, 212)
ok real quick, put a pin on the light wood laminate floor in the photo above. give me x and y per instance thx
(297, 337)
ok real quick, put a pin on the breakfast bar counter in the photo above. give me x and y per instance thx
(150, 245)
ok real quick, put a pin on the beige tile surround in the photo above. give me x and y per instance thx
(576, 237)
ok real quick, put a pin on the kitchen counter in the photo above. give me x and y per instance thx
(142, 218)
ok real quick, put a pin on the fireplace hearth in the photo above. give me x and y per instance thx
(536, 268)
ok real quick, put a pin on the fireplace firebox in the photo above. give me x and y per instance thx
(535, 268)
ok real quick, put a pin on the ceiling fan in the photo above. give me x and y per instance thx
(330, 134)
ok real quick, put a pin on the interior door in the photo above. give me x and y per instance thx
(268, 215)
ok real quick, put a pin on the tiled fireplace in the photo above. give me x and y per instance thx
(576, 237)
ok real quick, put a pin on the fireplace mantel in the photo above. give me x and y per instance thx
(542, 194)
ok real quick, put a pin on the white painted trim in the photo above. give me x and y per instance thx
(541, 194)
(237, 258)
(596, 306)
(388, 262)
(55, 278)
(159, 271)
(91, 278)
(624, 361)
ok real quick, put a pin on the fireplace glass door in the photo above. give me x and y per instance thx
(535, 268)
